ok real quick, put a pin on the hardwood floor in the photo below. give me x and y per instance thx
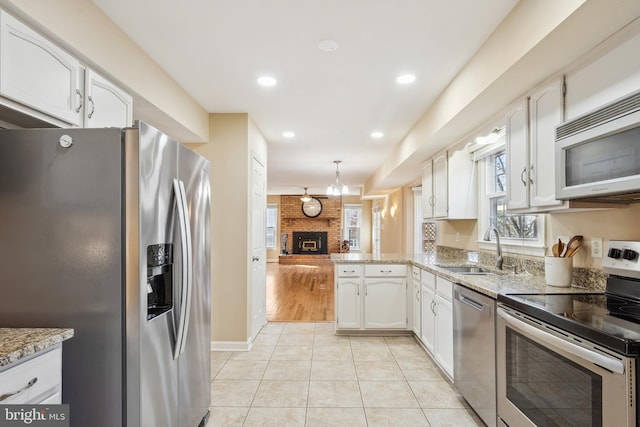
(300, 292)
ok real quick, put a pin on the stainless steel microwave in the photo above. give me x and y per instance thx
(598, 154)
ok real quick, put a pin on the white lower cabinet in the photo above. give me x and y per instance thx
(385, 303)
(37, 380)
(428, 335)
(348, 305)
(371, 296)
(437, 319)
(444, 334)
(416, 324)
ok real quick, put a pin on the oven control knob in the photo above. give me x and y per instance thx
(629, 254)
(614, 253)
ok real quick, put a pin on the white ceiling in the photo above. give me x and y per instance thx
(216, 49)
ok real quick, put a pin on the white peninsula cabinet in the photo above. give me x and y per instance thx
(530, 139)
(41, 80)
(437, 319)
(371, 296)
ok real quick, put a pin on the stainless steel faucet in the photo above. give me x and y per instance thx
(487, 237)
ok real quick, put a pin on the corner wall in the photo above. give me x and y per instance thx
(228, 152)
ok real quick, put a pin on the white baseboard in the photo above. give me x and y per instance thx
(231, 345)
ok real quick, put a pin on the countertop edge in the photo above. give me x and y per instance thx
(19, 343)
(490, 285)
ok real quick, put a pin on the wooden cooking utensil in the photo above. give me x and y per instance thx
(573, 246)
(560, 247)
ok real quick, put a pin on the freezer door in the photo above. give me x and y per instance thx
(195, 361)
(61, 256)
(152, 371)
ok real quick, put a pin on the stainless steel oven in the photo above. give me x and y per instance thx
(550, 377)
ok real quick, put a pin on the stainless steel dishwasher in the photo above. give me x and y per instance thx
(474, 351)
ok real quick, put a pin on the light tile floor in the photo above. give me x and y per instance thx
(301, 374)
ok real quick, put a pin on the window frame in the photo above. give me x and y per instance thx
(274, 207)
(520, 246)
(345, 228)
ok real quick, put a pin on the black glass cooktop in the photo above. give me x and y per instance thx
(606, 320)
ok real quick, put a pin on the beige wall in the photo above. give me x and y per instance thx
(229, 151)
(87, 33)
(393, 231)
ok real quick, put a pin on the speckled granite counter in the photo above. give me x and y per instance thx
(491, 285)
(18, 343)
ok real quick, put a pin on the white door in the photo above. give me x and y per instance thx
(417, 327)
(106, 104)
(258, 304)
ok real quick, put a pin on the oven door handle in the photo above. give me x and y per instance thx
(609, 363)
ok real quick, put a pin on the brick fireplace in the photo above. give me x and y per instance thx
(328, 223)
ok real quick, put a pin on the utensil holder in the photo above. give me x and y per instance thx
(558, 271)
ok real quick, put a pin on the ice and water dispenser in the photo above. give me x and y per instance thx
(159, 279)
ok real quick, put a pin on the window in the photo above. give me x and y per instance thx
(272, 225)
(509, 226)
(517, 231)
(352, 222)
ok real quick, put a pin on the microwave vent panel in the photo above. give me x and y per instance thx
(612, 111)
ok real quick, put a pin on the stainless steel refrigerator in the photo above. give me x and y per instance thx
(107, 231)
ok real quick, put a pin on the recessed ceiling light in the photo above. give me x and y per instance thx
(267, 81)
(377, 134)
(405, 79)
(288, 134)
(328, 45)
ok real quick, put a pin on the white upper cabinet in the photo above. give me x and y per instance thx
(440, 186)
(530, 139)
(517, 143)
(106, 104)
(39, 79)
(546, 108)
(449, 188)
(36, 73)
(427, 190)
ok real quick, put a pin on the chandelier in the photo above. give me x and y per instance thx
(338, 188)
(305, 197)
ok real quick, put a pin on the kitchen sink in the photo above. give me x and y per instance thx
(467, 270)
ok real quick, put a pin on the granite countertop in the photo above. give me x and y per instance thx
(18, 343)
(501, 282)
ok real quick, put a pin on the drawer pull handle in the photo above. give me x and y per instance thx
(349, 271)
(29, 385)
(385, 271)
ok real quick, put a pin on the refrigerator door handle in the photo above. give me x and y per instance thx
(185, 285)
